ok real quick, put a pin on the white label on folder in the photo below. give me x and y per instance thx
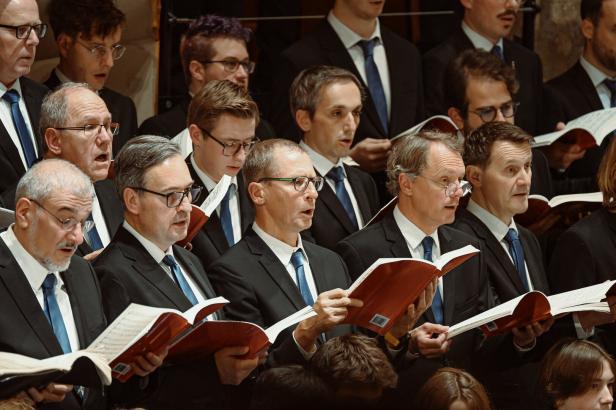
(379, 320)
(121, 368)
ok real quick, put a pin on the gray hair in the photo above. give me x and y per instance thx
(54, 109)
(137, 156)
(409, 154)
(260, 160)
(53, 175)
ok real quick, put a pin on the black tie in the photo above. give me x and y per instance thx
(611, 85)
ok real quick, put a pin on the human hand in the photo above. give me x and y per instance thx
(146, 364)
(53, 392)
(414, 311)
(232, 369)
(371, 154)
(525, 336)
(429, 340)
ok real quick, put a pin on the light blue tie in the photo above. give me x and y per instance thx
(375, 86)
(225, 217)
(297, 260)
(180, 279)
(12, 97)
(52, 311)
(437, 301)
(337, 175)
(517, 254)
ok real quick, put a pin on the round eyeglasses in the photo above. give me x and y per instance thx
(299, 183)
(488, 114)
(100, 50)
(231, 66)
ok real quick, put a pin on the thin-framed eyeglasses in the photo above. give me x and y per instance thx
(451, 188)
(67, 224)
(299, 183)
(100, 51)
(24, 31)
(230, 149)
(175, 199)
(93, 130)
(488, 114)
(231, 66)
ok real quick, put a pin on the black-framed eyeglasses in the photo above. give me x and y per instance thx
(488, 114)
(174, 199)
(100, 51)
(231, 66)
(230, 149)
(299, 183)
(67, 224)
(24, 31)
(93, 130)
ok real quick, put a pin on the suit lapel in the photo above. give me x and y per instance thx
(195, 273)
(77, 306)
(110, 207)
(360, 193)
(587, 89)
(535, 268)
(247, 211)
(33, 104)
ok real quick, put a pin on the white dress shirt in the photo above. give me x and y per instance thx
(6, 117)
(597, 76)
(234, 199)
(323, 166)
(99, 221)
(35, 274)
(413, 237)
(480, 41)
(350, 38)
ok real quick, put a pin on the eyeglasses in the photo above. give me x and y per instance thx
(230, 149)
(452, 188)
(93, 130)
(24, 31)
(488, 114)
(100, 51)
(231, 66)
(300, 183)
(68, 224)
(174, 199)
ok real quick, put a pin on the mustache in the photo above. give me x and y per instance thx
(67, 245)
(508, 13)
(181, 217)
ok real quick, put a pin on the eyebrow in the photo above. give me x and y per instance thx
(177, 188)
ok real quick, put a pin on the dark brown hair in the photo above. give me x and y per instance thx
(88, 17)
(478, 144)
(607, 177)
(448, 385)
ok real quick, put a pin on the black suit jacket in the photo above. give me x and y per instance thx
(121, 107)
(261, 290)
(331, 223)
(323, 46)
(24, 328)
(129, 274)
(528, 72)
(211, 242)
(10, 162)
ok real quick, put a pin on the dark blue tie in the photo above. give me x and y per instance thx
(337, 175)
(517, 254)
(611, 85)
(179, 278)
(12, 97)
(498, 52)
(225, 216)
(52, 311)
(374, 81)
(297, 260)
(437, 301)
(94, 239)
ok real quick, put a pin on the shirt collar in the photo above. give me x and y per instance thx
(282, 250)
(494, 225)
(154, 251)
(596, 76)
(348, 37)
(320, 163)
(35, 272)
(16, 86)
(205, 178)
(411, 233)
(480, 41)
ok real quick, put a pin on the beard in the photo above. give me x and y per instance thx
(606, 57)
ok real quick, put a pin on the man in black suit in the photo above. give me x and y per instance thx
(142, 265)
(586, 86)
(390, 69)
(213, 48)
(20, 98)
(50, 299)
(327, 102)
(88, 35)
(480, 88)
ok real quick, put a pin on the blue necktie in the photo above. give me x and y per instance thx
(297, 260)
(225, 217)
(337, 175)
(374, 81)
(94, 239)
(498, 52)
(437, 301)
(611, 85)
(52, 311)
(12, 97)
(517, 254)
(180, 279)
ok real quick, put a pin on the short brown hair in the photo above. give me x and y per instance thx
(88, 17)
(353, 360)
(409, 154)
(217, 98)
(478, 144)
(607, 177)
(448, 385)
(307, 87)
(260, 160)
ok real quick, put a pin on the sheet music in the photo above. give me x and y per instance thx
(215, 197)
(273, 331)
(598, 123)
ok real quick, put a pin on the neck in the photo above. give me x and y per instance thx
(194, 87)
(480, 200)
(66, 70)
(8, 84)
(201, 163)
(409, 213)
(269, 225)
(138, 226)
(308, 141)
(363, 27)
(474, 27)
(592, 59)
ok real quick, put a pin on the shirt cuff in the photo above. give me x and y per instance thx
(305, 354)
(579, 329)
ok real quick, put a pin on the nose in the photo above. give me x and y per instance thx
(104, 135)
(606, 395)
(32, 39)
(499, 115)
(311, 191)
(514, 4)
(350, 122)
(108, 60)
(185, 205)
(76, 234)
(241, 73)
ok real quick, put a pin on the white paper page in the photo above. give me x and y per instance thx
(585, 197)
(449, 256)
(383, 209)
(274, 330)
(191, 313)
(577, 297)
(215, 197)
(598, 123)
(416, 128)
